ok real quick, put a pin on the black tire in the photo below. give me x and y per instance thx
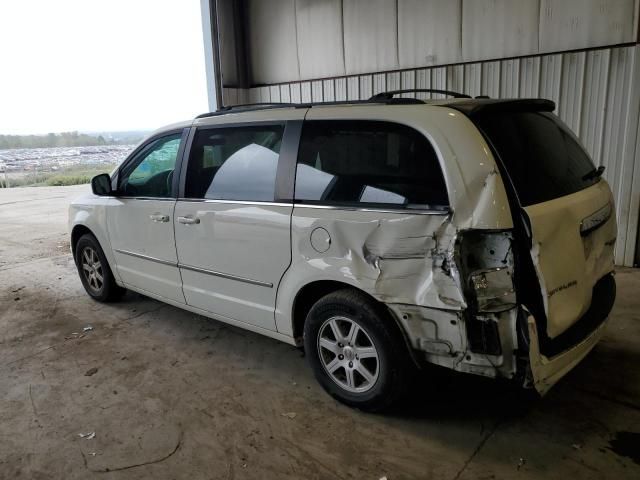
(108, 290)
(394, 365)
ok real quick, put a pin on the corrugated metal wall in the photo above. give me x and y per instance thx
(597, 93)
(295, 40)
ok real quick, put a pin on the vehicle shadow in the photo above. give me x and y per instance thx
(437, 392)
(434, 393)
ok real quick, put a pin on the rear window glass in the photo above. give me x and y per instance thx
(368, 163)
(541, 155)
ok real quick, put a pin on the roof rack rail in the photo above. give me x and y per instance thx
(248, 106)
(382, 96)
(245, 107)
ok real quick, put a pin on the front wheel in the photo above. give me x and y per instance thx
(356, 351)
(95, 274)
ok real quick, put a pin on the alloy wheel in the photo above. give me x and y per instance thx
(92, 269)
(348, 354)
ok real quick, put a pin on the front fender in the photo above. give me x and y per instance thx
(90, 212)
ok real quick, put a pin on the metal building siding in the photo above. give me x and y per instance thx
(550, 72)
(473, 79)
(571, 88)
(529, 77)
(596, 92)
(272, 28)
(295, 40)
(567, 25)
(370, 35)
(626, 163)
(634, 206)
(490, 79)
(429, 32)
(499, 28)
(320, 40)
(510, 79)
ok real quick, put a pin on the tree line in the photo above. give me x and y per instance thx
(65, 139)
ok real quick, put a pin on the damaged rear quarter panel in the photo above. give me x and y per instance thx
(395, 257)
(401, 257)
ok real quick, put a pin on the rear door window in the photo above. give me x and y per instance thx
(234, 163)
(541, 155)
(368, 164)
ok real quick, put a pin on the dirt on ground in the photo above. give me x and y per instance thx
(140, 389)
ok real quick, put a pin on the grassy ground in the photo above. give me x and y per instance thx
(69, 176)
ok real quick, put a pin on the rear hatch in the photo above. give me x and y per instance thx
(567, 217)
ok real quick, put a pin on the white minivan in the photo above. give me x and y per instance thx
(380, 235)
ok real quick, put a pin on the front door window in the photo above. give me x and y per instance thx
(150, 174)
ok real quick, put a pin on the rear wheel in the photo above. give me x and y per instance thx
(94, 271)
(356, 352)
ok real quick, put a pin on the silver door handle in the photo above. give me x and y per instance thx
(158, 217)
(188, 220)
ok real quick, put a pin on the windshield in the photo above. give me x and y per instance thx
(542, 156)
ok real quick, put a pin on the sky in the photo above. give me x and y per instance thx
(99, 65)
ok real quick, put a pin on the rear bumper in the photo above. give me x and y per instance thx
(447, 338)
(549, 359)
(602, 299)
(547, 371)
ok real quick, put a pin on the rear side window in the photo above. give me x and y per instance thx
(234, 163)
(368, 164)
(542, 157)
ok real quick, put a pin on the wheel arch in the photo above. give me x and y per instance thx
(310, 293)
(77, 232)
(80, 229)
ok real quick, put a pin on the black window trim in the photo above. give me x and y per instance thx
(143, 149)
(284, 173)
(370, 207)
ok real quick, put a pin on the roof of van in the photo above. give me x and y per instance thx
(468, 106)
(464, 104)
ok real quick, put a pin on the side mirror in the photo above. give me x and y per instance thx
(101, 185)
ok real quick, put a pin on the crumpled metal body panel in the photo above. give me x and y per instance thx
(442, 336)
(395, 257)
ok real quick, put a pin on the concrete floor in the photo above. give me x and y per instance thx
(175, 395)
